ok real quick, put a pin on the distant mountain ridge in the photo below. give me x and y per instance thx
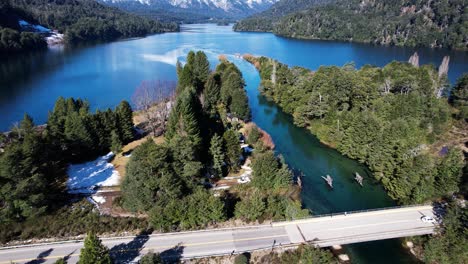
(193, 10)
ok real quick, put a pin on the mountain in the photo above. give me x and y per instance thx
(413, 23)
(193, 10)
(265, 20)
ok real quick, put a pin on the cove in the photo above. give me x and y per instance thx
(108, 73)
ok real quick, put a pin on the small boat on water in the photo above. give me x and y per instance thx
(329, 180)
(359, 178)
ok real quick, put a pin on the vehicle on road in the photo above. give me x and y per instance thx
(428, 219)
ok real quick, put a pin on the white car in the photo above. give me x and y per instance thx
(243, 179)
(428, 219)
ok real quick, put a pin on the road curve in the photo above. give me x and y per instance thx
(322, 231)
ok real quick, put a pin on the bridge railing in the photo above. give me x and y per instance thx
(352, 212)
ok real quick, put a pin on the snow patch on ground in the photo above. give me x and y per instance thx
(99, 199)
(85, 177)
(55, 38)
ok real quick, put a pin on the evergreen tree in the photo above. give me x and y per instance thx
(60, 261)
(269, 173)
(449, 172)
(239, 104)
(24, 184)
(459, 96)
(116, 143)
(201, 70)
(233, 150)
(78, 137)
(124, 116)
(231, 81)
(217, 154)
(27, 125)
(151, 258)
(179, 69)
(150, 178)
(185, 79)
(250, 208)
(94, 252)
(241, 259)
(184, 119)
(212, 93)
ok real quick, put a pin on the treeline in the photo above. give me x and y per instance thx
(168, 181)
(383, 117)
(88, 20)
(12, 40)
(34, 160)
(265, 21)
(397, 22)
(449, 245)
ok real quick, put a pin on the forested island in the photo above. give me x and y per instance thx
(396, 119)
(425, 23)
(81, 21)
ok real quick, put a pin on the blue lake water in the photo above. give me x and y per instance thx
(108, 73)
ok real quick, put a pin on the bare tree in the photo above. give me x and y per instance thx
(155, 100)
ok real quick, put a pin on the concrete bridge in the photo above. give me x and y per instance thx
(322, 231)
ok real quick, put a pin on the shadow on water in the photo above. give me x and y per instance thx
(41, 257)
(173, 255)
(127, 252)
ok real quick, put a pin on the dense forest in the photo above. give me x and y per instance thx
(33, 160)
(80, 21)
(384, 117)
(168, 181)
(397, 22)
(265, 20)
(12, 40)
(391, 119)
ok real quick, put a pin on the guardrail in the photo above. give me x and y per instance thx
(328, 242)
(353, 212)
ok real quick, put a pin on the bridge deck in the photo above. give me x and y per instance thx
(322, 231)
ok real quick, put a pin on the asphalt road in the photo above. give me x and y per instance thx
(323, 231)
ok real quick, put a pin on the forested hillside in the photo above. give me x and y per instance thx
(12, 40)
(265, 20)
(395, 22)
(384, 117)
(87, 20)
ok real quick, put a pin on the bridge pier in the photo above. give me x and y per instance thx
(339, 252)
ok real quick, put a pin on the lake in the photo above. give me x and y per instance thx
(108, 73)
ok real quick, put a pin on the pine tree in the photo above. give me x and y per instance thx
(179, 68)
(27, 125)
(233, 150)
(239, 104)
(184, 119)
(217, 154)
(201, 70)
(116, 143)
(151, 258)
(124, 116)
(459, 96)
(185, 80)
(212, 93)
(77, 135)
(94, 252)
